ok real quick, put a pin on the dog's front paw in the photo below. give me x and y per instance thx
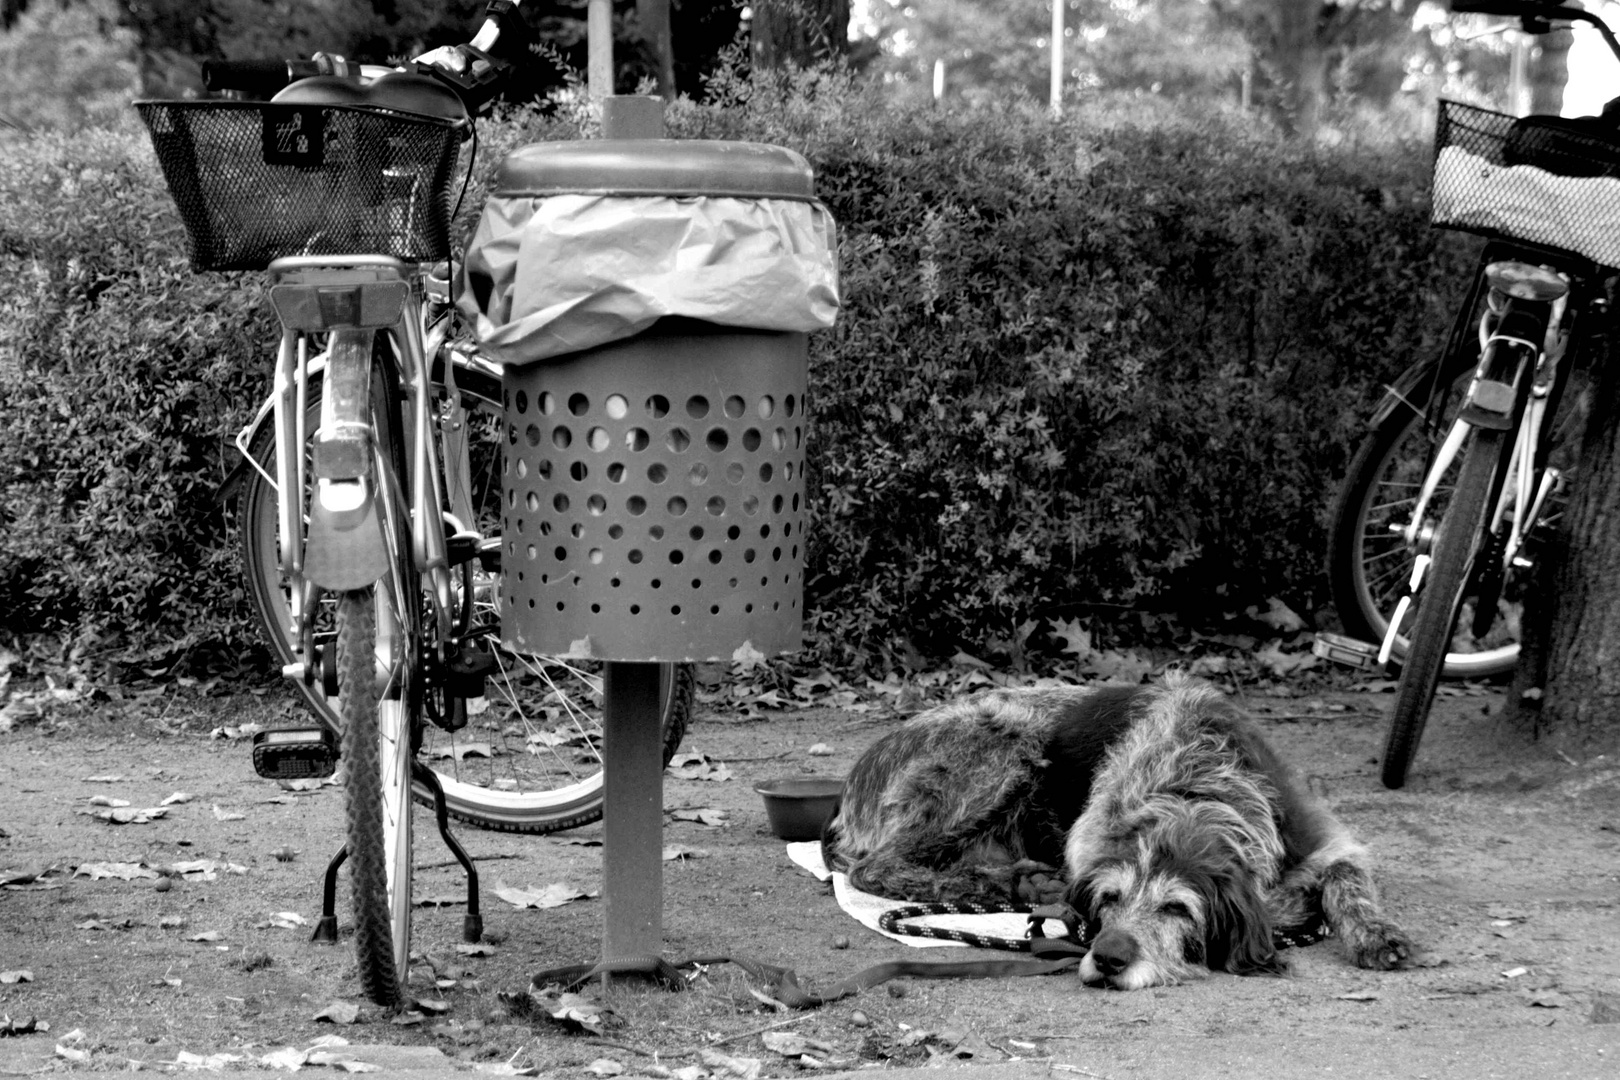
(1381, 947)
(1038, 883)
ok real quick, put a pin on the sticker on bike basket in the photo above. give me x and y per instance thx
(295, 135)
(654, 498)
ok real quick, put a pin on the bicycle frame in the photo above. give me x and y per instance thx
(1526, 481)
(350, 298)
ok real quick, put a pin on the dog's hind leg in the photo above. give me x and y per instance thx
(886, 872)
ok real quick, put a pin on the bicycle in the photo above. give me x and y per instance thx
(369, 492)
(1468, 460)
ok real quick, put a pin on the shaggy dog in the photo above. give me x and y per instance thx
(1186, 841)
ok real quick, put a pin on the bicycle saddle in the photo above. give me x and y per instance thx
(401, 91)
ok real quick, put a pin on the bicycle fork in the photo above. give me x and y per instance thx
(1522, 340)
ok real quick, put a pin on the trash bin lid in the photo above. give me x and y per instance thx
(673, 167)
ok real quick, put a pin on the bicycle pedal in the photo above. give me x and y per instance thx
(306, 753)
(1362, 655)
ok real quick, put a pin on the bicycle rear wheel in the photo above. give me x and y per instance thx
(530, 759)
(376, 749)
(1440, 603)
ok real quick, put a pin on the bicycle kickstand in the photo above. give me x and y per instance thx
(472, 924)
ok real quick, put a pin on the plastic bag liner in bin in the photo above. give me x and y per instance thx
(589, 242)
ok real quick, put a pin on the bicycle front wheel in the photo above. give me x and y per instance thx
(1440, 603)
(1369, 561)
(530, 759)
(377, 758)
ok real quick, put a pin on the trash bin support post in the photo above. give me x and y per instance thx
(632, 811)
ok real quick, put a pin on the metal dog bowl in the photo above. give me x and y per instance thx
(799, 806)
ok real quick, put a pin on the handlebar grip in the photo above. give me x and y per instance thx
(478, 84)
(1517, 9)
(261, 78)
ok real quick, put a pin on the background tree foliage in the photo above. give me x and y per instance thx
(168, 40)
(1303, 59)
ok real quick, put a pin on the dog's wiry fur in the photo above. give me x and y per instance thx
(1184, 838)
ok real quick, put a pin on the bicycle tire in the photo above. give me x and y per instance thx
(375, 746)
(1440, 602)
(473, 793)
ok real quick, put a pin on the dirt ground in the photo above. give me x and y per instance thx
(1502, 861)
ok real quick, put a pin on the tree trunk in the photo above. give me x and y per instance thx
(1567, 688)
(1298, 62)
(1549, 72)
(653, 17)
(799, 32)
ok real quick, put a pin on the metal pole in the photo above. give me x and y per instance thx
(599, 45)
(1057, 55)
(632, 811)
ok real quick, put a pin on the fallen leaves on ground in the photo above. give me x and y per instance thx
(792, 1044)
(67, 1048)
(703, 815)
(724, 1065)
(284, 920)
(125, 816)
(30, 1026)
(459, 751)
(548, 896)
(677, 852)
(697, 767)
(240, 731)
(203, 869)
(123, 871)
(338, 1012)
(575, 1011)
(201, 1062)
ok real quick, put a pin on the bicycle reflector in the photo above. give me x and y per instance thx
(317, 300)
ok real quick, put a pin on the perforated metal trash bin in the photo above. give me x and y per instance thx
(654, 486)
(655, 497)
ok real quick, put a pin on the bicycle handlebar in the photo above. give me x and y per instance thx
(475, 82)
(259, 77)
(1537, 16)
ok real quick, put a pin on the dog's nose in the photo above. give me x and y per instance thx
(1113, 952)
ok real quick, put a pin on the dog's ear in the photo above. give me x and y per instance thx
(1238, 937)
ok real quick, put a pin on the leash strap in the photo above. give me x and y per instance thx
(1078, 937)
(782, 983)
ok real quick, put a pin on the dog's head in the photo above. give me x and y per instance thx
(1171, 900)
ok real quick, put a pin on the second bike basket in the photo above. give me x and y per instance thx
(1542, 179)
(654, 477)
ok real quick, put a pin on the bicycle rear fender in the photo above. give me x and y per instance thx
(344, 544)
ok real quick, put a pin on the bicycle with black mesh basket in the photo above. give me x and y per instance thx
(369, 495)
(1466, 467)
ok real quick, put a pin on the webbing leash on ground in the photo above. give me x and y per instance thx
(1313, 930)
(782, 983)
(1077, 938)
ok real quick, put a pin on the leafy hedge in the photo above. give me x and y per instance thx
(1085, 366)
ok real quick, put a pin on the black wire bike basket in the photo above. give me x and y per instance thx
(257, 181)
(1545, 180)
